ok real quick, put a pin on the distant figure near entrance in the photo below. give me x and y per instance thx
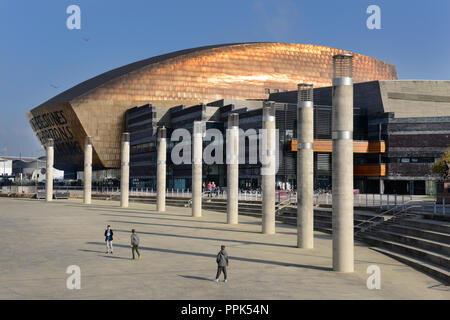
(135, 244)
(222, 264)
(446, 174)
(108, 239)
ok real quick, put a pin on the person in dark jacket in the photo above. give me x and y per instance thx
(135, 244)
(108, 239)
(222, 264)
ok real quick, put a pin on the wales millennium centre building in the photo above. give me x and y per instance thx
(401, 127)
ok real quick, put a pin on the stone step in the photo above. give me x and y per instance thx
(426, 224)
(327, 213)
(249, 205)
(437, 217)
(356, 220)
(412, 251)
(438, 247)
(417, 232)
(320, 219)
(224, 201)
(323, 227)
(252, 213)
(224, 204)
(438, 272)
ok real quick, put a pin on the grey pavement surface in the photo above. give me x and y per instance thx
(39, 240)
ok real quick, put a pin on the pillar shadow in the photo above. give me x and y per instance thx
(179, 226)
(146, 214)
(193, 220)
(191, 227)
(124, 210)
(159, 218)
(232, 258)
(205, 238)
(104, 255)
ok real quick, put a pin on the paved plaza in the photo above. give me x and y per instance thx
(39, 240)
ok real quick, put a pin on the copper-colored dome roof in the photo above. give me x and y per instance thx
(97, 106)
(241, 70)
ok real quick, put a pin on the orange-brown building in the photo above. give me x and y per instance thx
(96, 107)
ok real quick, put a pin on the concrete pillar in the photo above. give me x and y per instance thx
(161, 171)
(87, 171)
(49, 171)
(305, 167)
(268, 168)
(125, 171)
(197, 155)
(342, 164)
(232, 168)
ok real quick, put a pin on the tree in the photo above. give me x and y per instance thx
(440, 167)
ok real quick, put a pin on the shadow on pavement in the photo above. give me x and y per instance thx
(178, 226)
(116, 257)
(233, 258)
(105, 255)
(122, 210)
(159, 218)
(213, 239)
(94, 251)
(194, 277)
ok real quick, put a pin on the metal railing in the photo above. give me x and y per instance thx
(393, 213)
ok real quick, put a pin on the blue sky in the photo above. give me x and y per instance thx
(38, 52)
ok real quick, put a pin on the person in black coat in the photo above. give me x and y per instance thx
(108, 239)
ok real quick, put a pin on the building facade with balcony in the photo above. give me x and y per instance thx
(407, 128)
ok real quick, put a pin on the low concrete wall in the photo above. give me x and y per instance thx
(18, 189)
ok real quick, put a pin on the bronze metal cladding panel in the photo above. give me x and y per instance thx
(104, 122)
(239, 71)
(60, 123)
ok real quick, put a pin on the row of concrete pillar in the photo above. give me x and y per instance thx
(268, 169)
(342, 167)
